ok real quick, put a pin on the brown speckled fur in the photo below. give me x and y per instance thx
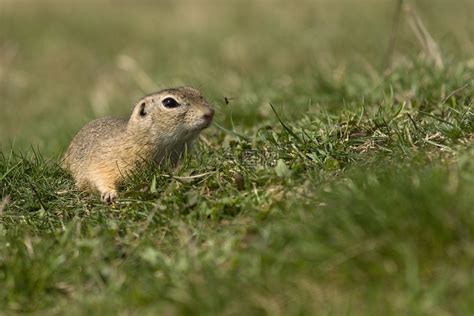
(107, 149)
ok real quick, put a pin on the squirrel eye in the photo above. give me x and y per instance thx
(170, 103)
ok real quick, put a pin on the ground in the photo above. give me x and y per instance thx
(338, 179)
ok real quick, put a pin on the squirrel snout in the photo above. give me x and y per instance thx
(208, 115)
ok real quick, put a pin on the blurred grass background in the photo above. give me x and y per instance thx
(64, 63)
(354, 197)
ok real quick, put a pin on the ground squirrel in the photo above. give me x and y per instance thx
(161, 127)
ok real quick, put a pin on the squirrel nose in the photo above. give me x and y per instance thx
(209, 114)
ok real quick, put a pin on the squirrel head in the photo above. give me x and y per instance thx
(177, 114)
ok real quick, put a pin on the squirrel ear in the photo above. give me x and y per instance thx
(142, 111)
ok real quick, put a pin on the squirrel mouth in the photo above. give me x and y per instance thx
(205, 123)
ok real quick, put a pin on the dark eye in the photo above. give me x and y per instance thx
(170, 103)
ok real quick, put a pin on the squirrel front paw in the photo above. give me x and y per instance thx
(108, 197)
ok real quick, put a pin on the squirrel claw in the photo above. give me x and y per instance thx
(108, 197)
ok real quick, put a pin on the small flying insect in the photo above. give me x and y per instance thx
(227, 100)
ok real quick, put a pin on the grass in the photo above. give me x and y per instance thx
(331, 184)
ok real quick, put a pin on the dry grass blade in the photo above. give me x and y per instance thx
(453, 93)
(5, 202)
(197, 176)
(393, 34)
(430, 47)
(142, 79)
